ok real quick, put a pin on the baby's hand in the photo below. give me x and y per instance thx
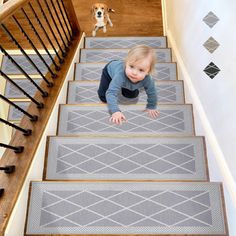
(152, 113)
(117, 118)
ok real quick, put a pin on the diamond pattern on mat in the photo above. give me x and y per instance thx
(14, 113)
(91, 73)
(171, 120)
(125, 208)
(9, 68)
(87, 93)
(127, 43)
(87, 55)
(126, 159)
(163, 73)
(103, 56)
(13, 92)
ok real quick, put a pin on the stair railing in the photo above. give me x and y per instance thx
(32, 117)
(43, 93)
(48, 26)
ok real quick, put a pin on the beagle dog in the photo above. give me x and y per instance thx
(100, 15)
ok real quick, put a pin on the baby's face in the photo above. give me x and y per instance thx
(138, 70)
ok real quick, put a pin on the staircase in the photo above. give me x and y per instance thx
(143, 177)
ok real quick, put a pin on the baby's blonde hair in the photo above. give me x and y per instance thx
(140, 52)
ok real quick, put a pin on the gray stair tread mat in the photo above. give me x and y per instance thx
(11, 91)
(14, 114)
(173, 120)
(126, 158)
(93, 71)
(105, 55)
(169, 92)
(126, 208)
(11, 69)
(124, 42)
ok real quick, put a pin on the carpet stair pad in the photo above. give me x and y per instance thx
(144, 177)
(78, 119)
(106, 55)
(126, 158)
(14, 114)
(159, 208)
(169, 92)
(93, 71)
(11, 91)
(124, 42)
(10, 69)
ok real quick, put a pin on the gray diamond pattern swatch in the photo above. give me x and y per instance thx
(211, 19)
(211, 44)
(124, 42)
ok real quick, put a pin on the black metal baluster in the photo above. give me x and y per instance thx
(50, 84)
(55, 10)
(55, 24)
(39, 104)
(32, 117)
(49, 26)
(26, 132)
(67, 18)
(35, 31)
(44, 93)
(35, 49)
(61, 10)
(18, 149)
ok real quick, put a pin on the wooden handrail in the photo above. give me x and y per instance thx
(12, 184)
(9, 8)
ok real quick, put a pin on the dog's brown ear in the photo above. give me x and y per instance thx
(111, 10)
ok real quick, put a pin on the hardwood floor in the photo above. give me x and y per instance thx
(131, 18)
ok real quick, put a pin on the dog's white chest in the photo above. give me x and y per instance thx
(100, 22)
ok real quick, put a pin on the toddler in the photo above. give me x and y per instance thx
(128, 77)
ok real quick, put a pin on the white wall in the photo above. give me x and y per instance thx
(214, 100)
